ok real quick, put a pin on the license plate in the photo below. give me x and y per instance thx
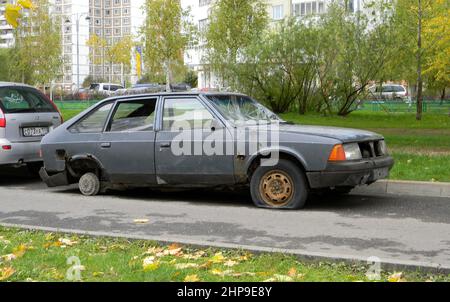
(381, 173)
(35, 131)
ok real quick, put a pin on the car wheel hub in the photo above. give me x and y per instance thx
(277, 188)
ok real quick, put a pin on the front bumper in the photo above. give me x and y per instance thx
(20, 153)
(352, 173)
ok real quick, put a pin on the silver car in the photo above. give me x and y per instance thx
(26, 115)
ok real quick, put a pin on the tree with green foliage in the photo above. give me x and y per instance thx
(166, 33)
(36, 56)
(421, 27)
(278, 68)
(233, 25)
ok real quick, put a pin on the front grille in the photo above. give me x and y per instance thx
(371, 149)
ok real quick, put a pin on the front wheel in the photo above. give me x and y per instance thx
(282, 186)
(89, 184)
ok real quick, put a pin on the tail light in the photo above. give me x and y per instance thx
(337, 154)
(56, 108)
(2, 119)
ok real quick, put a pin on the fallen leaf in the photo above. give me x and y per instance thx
(66, 242)
(8, 257)
(396, 277)
(141, 221)
(186, 265)
(218, 258)
(20, 250)
(4, 241)
(149, 264)
(6, 272)
(292, 272)
(230, 263)
(192, 278)
(98, 274)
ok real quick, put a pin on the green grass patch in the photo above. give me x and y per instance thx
(39, 256)
(421, 167)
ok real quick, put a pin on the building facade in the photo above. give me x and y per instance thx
(110, 20)
(6, 31)
(277, 10)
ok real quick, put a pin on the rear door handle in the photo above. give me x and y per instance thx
(105, 145)
(165, 145)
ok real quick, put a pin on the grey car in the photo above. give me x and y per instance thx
(172, 140)
(26, 115)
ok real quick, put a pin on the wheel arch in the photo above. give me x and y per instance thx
(79, 164)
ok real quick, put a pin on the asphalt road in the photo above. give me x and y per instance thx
(403, 230)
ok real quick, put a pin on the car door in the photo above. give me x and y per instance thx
(126, 147)
(183, 153)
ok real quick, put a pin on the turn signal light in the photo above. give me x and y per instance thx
(337, 154)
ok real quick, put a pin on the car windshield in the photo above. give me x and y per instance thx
(243, 110)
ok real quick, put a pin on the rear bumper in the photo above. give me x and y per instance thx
(19, 153)
(351, 174)
(56, 180)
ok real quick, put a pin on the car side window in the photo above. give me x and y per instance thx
(185, 114)
(134, 116)
(93, 122)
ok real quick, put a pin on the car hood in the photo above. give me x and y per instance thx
(342, 134)
(346, 135)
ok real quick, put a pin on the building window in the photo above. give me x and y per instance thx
(308, 8)
(277, 12)
(204, 2)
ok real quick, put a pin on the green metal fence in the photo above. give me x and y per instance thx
(437, 107)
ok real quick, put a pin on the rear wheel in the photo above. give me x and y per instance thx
(283, 186)
(89, 184)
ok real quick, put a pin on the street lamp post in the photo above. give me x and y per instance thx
(78, 17)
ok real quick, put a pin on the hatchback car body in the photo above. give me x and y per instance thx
(208, 140)
(26, 115)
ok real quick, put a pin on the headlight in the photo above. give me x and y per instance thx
(352, 151)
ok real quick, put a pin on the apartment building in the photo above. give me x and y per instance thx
(276, 9)
(73, 18)
(112, 20)
(6, 31)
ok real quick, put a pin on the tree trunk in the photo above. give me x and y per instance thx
(168, 76)
(419, 66)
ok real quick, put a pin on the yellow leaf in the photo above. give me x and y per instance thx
(6, 272)
(192, 278)
(149, 264)
(66, 242)
(396, 277)
(12, 14)
(28, 4)
(218, 258)
(20, 251)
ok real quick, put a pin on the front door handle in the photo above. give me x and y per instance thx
(165, 145)
(105, 145)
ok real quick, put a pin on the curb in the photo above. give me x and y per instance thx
(409, 188)
(303, 255)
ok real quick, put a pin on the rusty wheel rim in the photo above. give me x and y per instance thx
(277, 188)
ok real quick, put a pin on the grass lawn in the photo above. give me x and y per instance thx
(38, 256)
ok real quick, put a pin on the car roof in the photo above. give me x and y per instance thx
(188, 93)
(9, 84)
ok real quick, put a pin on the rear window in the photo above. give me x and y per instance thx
(23, 100)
